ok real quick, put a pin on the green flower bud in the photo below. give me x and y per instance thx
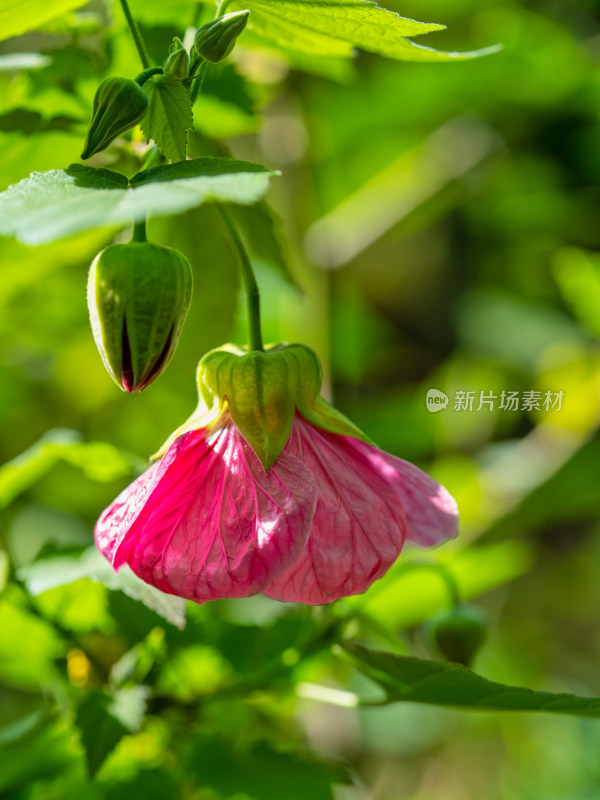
(178, 60)
(138, 296)
(458, 634)
(262, 391)
(119, 104)
(215, 40)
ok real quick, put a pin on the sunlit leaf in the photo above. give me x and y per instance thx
(336, 27)
(50, 205)
(52, 572)
(169, 115)
(19, 16)
(98, 460)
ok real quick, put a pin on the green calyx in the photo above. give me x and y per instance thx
(178, 60)
(215, 40)
(119, 104)
(262, 391)
(138, 297)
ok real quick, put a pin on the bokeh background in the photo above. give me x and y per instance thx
(442, 223)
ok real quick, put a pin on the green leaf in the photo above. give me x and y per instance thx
(98, 460)
(44, 749)
(169, 115)
(19, 16)
(261, 231)
(50, 205)
(261, 772)
(104, 719)
(336, 27)
(52, 572)
(418, 681)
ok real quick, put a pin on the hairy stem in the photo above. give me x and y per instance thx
(252, 293)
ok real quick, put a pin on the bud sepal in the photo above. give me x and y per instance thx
(138, 297)
(215, 40)
(178, 60)
(119, 104)
(262, 391)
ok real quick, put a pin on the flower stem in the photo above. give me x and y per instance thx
(221, 8)
(137, 36)
(139, 232)
(198, 81)
(250, 284)
(444, 573)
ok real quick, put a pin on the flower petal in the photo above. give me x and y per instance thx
(358, 528)
(431, 511)
(206, 522)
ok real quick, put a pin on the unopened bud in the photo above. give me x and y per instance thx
(215, 40)
(138, 296)
(458, 634)
(178, 60)
(119, 104)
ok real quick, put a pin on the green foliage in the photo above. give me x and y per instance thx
(169, 116)
(62, 570)
(418, 681)
(452, 215)
(99, 461)
(48, 206)
(103, 719)
(217, 765)
(15, 19)
(336, 27)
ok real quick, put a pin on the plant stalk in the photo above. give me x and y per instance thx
(139, 232)
(250, 284)
(198, 81)
(137, 36)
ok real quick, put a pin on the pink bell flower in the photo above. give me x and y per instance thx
(327, 517)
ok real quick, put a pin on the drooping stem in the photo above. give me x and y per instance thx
(444, 573)
(137, 36)
(250, 284)
(221, 8)
(139, 232)
(198, 81)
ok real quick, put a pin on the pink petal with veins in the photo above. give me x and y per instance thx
(359, 526)
(431, 511)
(368, 503)
(206, 522)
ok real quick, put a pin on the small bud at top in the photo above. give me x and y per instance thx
(178, 60)
(138, 297)
(119, 104)
(215, 40)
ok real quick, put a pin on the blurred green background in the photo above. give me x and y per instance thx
(442, 222)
